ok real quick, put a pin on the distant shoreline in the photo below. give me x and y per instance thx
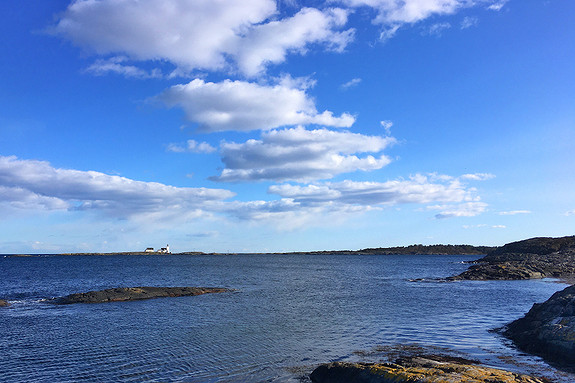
(398, 250)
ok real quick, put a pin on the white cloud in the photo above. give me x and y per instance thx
(392, 14)
(117, 65)
(270, 42)
(514, 212)
(387, 125)
(469, 22)
(26, 184)
(418, 189)
(467, 209)
(437, 29)
(351, 83)
(498, 5)
(570, 213)
(200, 34)
(301, 155)
(191, 146)
(484, 225)
(245, 106)
(477, 177)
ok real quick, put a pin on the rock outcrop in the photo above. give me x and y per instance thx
(416, 369)
(529, 259)
(548, 329)
(134, 293)
(4, 303)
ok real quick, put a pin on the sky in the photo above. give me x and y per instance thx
(289, 125)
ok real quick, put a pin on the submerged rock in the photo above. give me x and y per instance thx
(533, 258)
(135, 293)
(416, 369)
(548, 329)
(4, 303)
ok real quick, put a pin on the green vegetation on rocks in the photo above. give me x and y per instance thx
(416, 369)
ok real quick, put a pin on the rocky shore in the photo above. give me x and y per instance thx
(415, 369)
(529, 259)
(134, 293)
(4, 303)
(548, 329)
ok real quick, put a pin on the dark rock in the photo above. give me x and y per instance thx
(4, 303)
(548, 329)
(135, 293)
(416, 369)
(529, 259)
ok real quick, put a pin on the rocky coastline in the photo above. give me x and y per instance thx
(548, 329)
(533, 258)
(420, 369)
(4, 303)
(122, 294)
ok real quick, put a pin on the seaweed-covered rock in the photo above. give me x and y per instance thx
(548, 329)
(135, 293)
(415, 369)
(4, 303)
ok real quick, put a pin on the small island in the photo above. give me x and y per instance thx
(122, 294)
(416, 369)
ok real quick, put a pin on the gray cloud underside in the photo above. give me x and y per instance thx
(33, 185)
(301, 155)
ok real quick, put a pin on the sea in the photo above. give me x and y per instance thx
(286, 315)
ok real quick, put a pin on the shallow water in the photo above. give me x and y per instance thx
(289, 313)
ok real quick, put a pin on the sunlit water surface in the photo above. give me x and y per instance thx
(288, 313)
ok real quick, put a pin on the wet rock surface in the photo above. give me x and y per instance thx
(548, 329)
(533, 258)
(135, 293)
(4, 303)
(414, 369)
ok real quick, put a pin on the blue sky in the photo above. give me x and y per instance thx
(258, 125)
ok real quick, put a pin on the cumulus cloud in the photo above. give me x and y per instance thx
(245, 106)
(200, 34)
(301, 155)
(26, 184)
(270, 42)
(418, 189)
(570, 213)
(191, 146)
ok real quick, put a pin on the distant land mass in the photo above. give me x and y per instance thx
(398, 250)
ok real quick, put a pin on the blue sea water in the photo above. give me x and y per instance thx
(288, 313)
